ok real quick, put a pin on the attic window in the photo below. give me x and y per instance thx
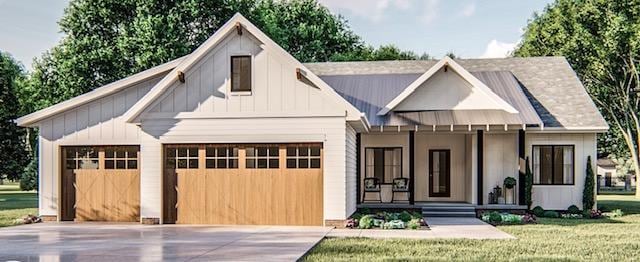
(241, 73)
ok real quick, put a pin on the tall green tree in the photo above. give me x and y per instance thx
(13, 156)
(601, 41)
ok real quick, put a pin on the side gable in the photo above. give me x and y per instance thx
(447, 86)
(98, 93)
(281, 85)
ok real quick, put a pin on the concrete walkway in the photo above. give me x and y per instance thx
(97, 242)
(440, 227)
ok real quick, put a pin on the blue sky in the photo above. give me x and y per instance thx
(469, 28)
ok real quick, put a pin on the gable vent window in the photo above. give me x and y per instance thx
(241, 73)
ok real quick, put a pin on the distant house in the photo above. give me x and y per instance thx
(240, 132)
(608, 175)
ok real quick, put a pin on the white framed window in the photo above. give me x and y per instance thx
(241, 75)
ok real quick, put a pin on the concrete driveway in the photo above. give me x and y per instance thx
(133, 242)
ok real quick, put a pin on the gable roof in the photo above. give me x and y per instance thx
(132, 114)
(549, 83)
(448, 62)
(111, 88)
(370, 93)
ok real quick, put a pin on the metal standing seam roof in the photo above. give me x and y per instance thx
(370, 93)
(549, 84)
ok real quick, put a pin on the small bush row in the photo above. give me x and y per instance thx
(573, 212)
(497, 218)
(386, 220)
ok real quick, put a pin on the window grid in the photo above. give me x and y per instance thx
(82, 158)
(262, 157)
(182, 157)
(303, 156)
(221, 157)
(386, 168)
(121, 158)
(241, 73)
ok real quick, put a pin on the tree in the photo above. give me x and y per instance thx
(601, 41)
(528, 185)
(13, 156)
(588, 194)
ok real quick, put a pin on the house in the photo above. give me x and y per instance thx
(240, 132)
(608, 175)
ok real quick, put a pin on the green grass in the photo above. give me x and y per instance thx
(549, 240)
(16, 204)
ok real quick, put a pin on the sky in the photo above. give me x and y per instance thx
(468, 28)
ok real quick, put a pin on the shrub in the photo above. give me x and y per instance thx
(529, 219)
(388, 216)
(29, 178)
(492, 217)
(615, 213)
(351, 223)
(551, 214)
(416, 215)
(366, 222)
(594, 214)
(414, 223)
(528, 185)
(356, 215)
(378, 222)
(404, 216)
(538, 211)
(572, 216)
(511, 219)
(573, 209)
(588, 194)
(394, 224)
(509, 182)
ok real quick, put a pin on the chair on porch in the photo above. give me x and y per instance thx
(371, 185)
(400, 185)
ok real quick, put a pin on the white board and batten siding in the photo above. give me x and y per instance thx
(351, 163)
(560, 197)
(280, 109)
(500, 162)
(96, 123)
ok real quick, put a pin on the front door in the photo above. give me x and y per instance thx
(440, 173)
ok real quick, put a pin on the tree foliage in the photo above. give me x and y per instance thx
(601, 41)
(106, 40)
(13, 155)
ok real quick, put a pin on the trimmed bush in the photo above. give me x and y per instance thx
(394, 224)
(538, 211)
(414, 223)
(510, 182)
(551, 214)
(366, 222)
(573, 209)
(616, 213)
(511, 219)
(588, 200)
(404, 216)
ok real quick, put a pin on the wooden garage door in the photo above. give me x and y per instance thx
(101, 184)
(243, 184)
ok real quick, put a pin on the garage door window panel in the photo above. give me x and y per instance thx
(303, 156)
(182, 158)
(221, 157)
(263, 157)
(121, 158)
(82, 158)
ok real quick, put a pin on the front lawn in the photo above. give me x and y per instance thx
(615, 239)
(16, 204)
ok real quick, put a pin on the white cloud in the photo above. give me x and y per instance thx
(373, 10)
(430, 12)
(497, 49)
(468, 10)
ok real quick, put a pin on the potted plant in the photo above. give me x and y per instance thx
(509, 184)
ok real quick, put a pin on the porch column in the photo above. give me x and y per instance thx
(412, 179)
(521, 176)
(358, 168)
(480, 168)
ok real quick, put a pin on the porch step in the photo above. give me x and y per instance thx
(448, 210)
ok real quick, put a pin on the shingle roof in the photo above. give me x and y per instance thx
(549, 83)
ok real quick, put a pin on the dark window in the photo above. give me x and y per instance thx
(241, 74)
(82, 158)
(221, 157)
(553, 164)
(303, 156)
(262, 157)
(383, 163)
(125, 157)
(182, 158)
